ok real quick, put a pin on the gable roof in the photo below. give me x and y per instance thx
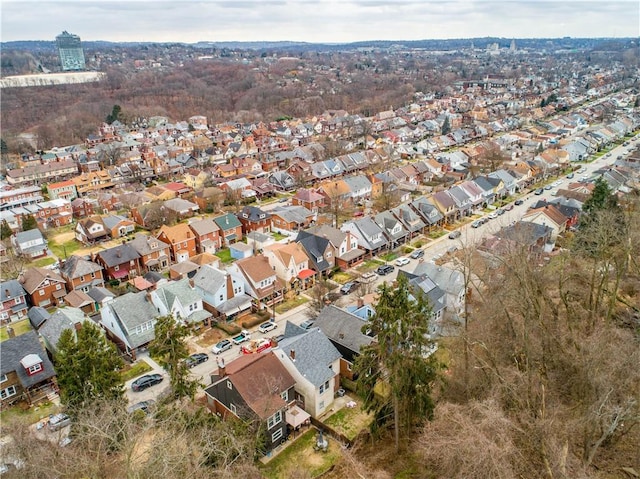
(343, 328)
(131, 310)
(209, 279)
(314, 246)
(227, 221)
(61, 319)
(12, 352)
(257, 268)
(117, 255)
(33, 278)
(177, 233)
(260, 379)
(11, 289)
(77, 266)
(314, 355)
(29, 235)
(203, 226)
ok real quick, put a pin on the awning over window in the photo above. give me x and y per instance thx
(306, 273)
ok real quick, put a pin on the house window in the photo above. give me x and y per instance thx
(8, 392)
(58, 287)
(321, 405)
(233, 409)
(93, 275)
(116, 268)
(221, 297)
(18, 300)
(273, 420)
(348, 366)
(192, 307)
(276, 435)
(35, 368)
(41, 292)
(229, 385)
(3, 378)
(285, 395)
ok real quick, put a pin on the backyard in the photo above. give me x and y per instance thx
(349, 421)
(19, 327)
(301, 456)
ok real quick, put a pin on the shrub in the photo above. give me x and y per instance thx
(407, 249)
(230, 328)
(252, 321)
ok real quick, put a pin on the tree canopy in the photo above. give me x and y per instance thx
(88, 366)
(29, 222)
(170, 348)
(396, 373)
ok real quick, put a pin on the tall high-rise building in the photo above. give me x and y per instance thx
(70, 51)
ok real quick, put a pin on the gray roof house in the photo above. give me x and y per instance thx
(461, 199)
(61, 319)
(359, 185)
(427, 211)
(130, 321)
(80, 273)
(422, 284)
(370, 236)
(37, 316)
(393, 228)
(30, 244)
(28, 374)
(221, 291)
(181, 300)
(411, 221)
(13, 300)
(314, 362)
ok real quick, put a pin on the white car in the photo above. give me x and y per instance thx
(268, 326)
(402, 261)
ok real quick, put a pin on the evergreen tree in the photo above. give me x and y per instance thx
(396, 373)
(115, 114)
(446, 126)
(88, 367)
(29, 222)
(5, 230)
(171, 350)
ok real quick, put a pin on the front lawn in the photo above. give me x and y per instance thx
(19, 327)
(30, 415)
(134, 370)
(225, 255)
(437, 234)
(300, 456)
(289, 305)
(369, 264)
(341, 277)
(389, 256)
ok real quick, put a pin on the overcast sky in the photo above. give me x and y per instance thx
(334, 21)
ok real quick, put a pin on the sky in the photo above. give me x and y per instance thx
(316, 21)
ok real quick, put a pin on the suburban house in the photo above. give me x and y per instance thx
(118, 226)
(44, 286)
(81, 274)
(550, 216)
(345, 245)
(392, 228)
(81, 300)
(532, 238)
(60, 320)
(462, 200)
(344, 330)
(310, 199)
(181, 300)
(446, 205)
(254, 219)
(25, 371)
(230, 228)
(182, 208)
(290, 219)
(130, 321)
(54, 213)
(91, 230)
(428, 212)
(222, 294)
(314, 363)
(260, 280)
(181, 241)
(30, 244)
(63, 189)
(207, 235)
(452, 283)
(254, 386)
(14, 301)
(411, 221)
(120, 262)
(369, 235)
(154, 253)
(320, 251)
(291, 264)
(420, 283)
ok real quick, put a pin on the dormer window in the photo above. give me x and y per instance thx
(32, 363)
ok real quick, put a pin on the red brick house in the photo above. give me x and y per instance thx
(207, 234)
(181, 240)
(310, 199)
(155, 254)
(81, 274)
(13, 301)
(230, 228)
(43, 286)
(254, 219)
(121, 262)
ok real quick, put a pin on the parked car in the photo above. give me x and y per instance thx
(385, 269)
(518, 202)
(493, 216)
(307, 324)
(349, 287)
(242, 337)
(195, 359)
(455, 234)
(221, 346)
(476, 224)
(58, 421)
(419, 253)
(143, 406)
(367, 277)
(402, 261)
(548, 187)
(509, 207)
(267, 326)
(570, 175)
(500, 211)
(146, 381)
(539, 191)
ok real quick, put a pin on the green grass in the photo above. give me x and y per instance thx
(294, 458)
(65, 249)
(289, 305)
(437, 234)
(278, 236)
(29, 415)
(389, 256)
(39, 263)
(369, 264)
(135, 370)
(19, 327)
(345, 421)
(225, 255)
(341, 277)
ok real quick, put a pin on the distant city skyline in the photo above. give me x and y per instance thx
(316, 21)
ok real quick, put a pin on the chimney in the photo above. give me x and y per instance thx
(77, 326)
(222, 370)
(292, 354)
(192, 283)
(7, 293)
(360, 302)
(148, 297)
